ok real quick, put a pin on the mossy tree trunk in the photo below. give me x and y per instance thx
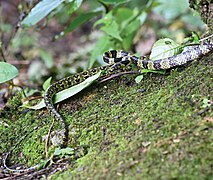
(159, 129)
(205, 9)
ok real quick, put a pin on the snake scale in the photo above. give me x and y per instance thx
(120, 61)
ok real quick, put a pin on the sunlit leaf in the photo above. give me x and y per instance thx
(42, 9)
(47, 83)
(164, 48)
(138, 79)
(62, 95)
(7, 72)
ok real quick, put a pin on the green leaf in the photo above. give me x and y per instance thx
(7, 72)
(81, 19)
(193, 39)
(42, 9)
(63, 151)
(114, 1)
(164, 48)
(143, 71)
(67, 151)
(196, 37)
(138, 79)
(75, 5)
(101, 46)
(47, 58)
(110, 26)
(123, 16)
(112, 30)
(62, 95)
(47, 83)
(132, 27)
(57, 152)
(106, 20)
(129, 34)
(78, 21)
(40, 105)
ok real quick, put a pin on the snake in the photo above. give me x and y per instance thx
(121, 61)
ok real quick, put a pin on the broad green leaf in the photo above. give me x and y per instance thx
(42, 9)
(47, 83)
(78, 21)
(7, 72)
(62, 95)
(123, 16)
(112, 30)
(132, 27)
(106, 20)
(101, 46)
(164, 48)
(129, 33)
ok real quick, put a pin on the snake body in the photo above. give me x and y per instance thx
(161, 64)
(120, 61)
(73, 80)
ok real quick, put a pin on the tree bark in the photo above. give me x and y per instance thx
(205, 9)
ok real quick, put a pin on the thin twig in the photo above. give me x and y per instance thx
(48, 137)
(117, 75)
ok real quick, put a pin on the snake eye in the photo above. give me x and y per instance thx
(107, 54)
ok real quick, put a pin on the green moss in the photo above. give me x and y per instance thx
(163, 132)
(160, 133)
(21, 132)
